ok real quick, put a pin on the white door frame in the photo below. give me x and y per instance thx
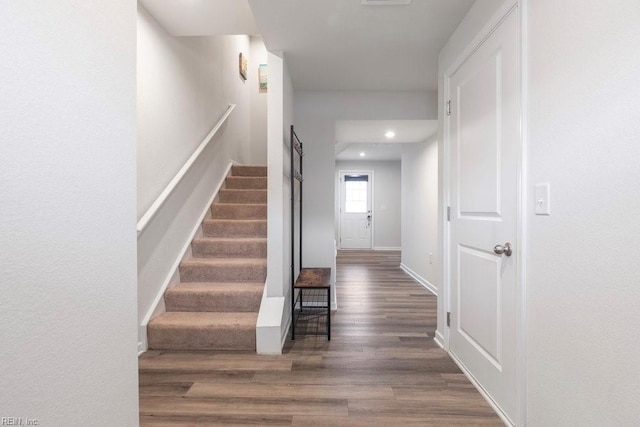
(341, 173)
(510, 6)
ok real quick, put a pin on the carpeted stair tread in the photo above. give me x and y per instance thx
(203, 331)
(226, 261)
(245, 196)
(215, 306)
(249, 171)
(223, 270)
(239, 211)
(246, 182)
(214, 297)
(234, 227)
(245, 247)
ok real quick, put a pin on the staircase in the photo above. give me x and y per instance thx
(215, 305)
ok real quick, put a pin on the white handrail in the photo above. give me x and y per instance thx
(153, 209)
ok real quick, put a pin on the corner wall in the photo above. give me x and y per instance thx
(68, 213)
(420, 255)
(275, 310)
(258, 137)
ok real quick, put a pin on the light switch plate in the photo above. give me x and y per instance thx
(542, 199)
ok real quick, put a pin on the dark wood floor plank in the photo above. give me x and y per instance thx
(426, 421)
(237, 406)
(381, 367)
(307, 391)
(216, 421)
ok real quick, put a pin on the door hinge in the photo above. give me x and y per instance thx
(448, 108)
(448, 319)
(448, 213)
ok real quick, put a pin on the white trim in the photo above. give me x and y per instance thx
(156, 308)
(285, 332)
(424, 282)
(439, 339)
(386, 248)
(521, 309)
(482, 391)
(157, 204)
(494, 22)
(269, 324)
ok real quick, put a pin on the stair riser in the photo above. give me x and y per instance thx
(205, 249)
(249, 171)
(222, 273)
(246, 183)
(220, 301)
(201, 339)
(225, 211)
(234, 229)
(242, 196)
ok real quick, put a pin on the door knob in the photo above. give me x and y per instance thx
(506, 249)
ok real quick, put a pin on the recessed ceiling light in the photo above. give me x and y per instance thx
(362, 154)
(390, 134)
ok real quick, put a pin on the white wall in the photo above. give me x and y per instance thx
(275, 310)
(184, 85)
(68, 212)
(420, 211)
(583, 294)
(386, 200)
(315, 117)
(258, 101)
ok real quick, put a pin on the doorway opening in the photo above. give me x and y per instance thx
(356, 219)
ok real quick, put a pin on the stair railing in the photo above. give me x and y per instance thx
(155, 206)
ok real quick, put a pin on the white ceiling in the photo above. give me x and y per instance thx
(344, 45)
(373, 152)
(337, 45)
(368, 136)
(203, 17)
(374, 130)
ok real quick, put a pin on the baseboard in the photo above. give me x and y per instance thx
(439, 339)
(424, 282)
(285, 332)
(482, 391)
(386, 248)
(158, 303)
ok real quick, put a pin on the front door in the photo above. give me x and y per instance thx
(355, 210)
(484, 141)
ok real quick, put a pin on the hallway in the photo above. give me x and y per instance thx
(380, 367)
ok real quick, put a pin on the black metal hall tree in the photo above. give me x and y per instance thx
(295, 175)
(313, 284)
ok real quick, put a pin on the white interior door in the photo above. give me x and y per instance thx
(355, 210)
(484, 130)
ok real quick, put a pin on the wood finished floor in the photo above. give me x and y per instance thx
(381, 368)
